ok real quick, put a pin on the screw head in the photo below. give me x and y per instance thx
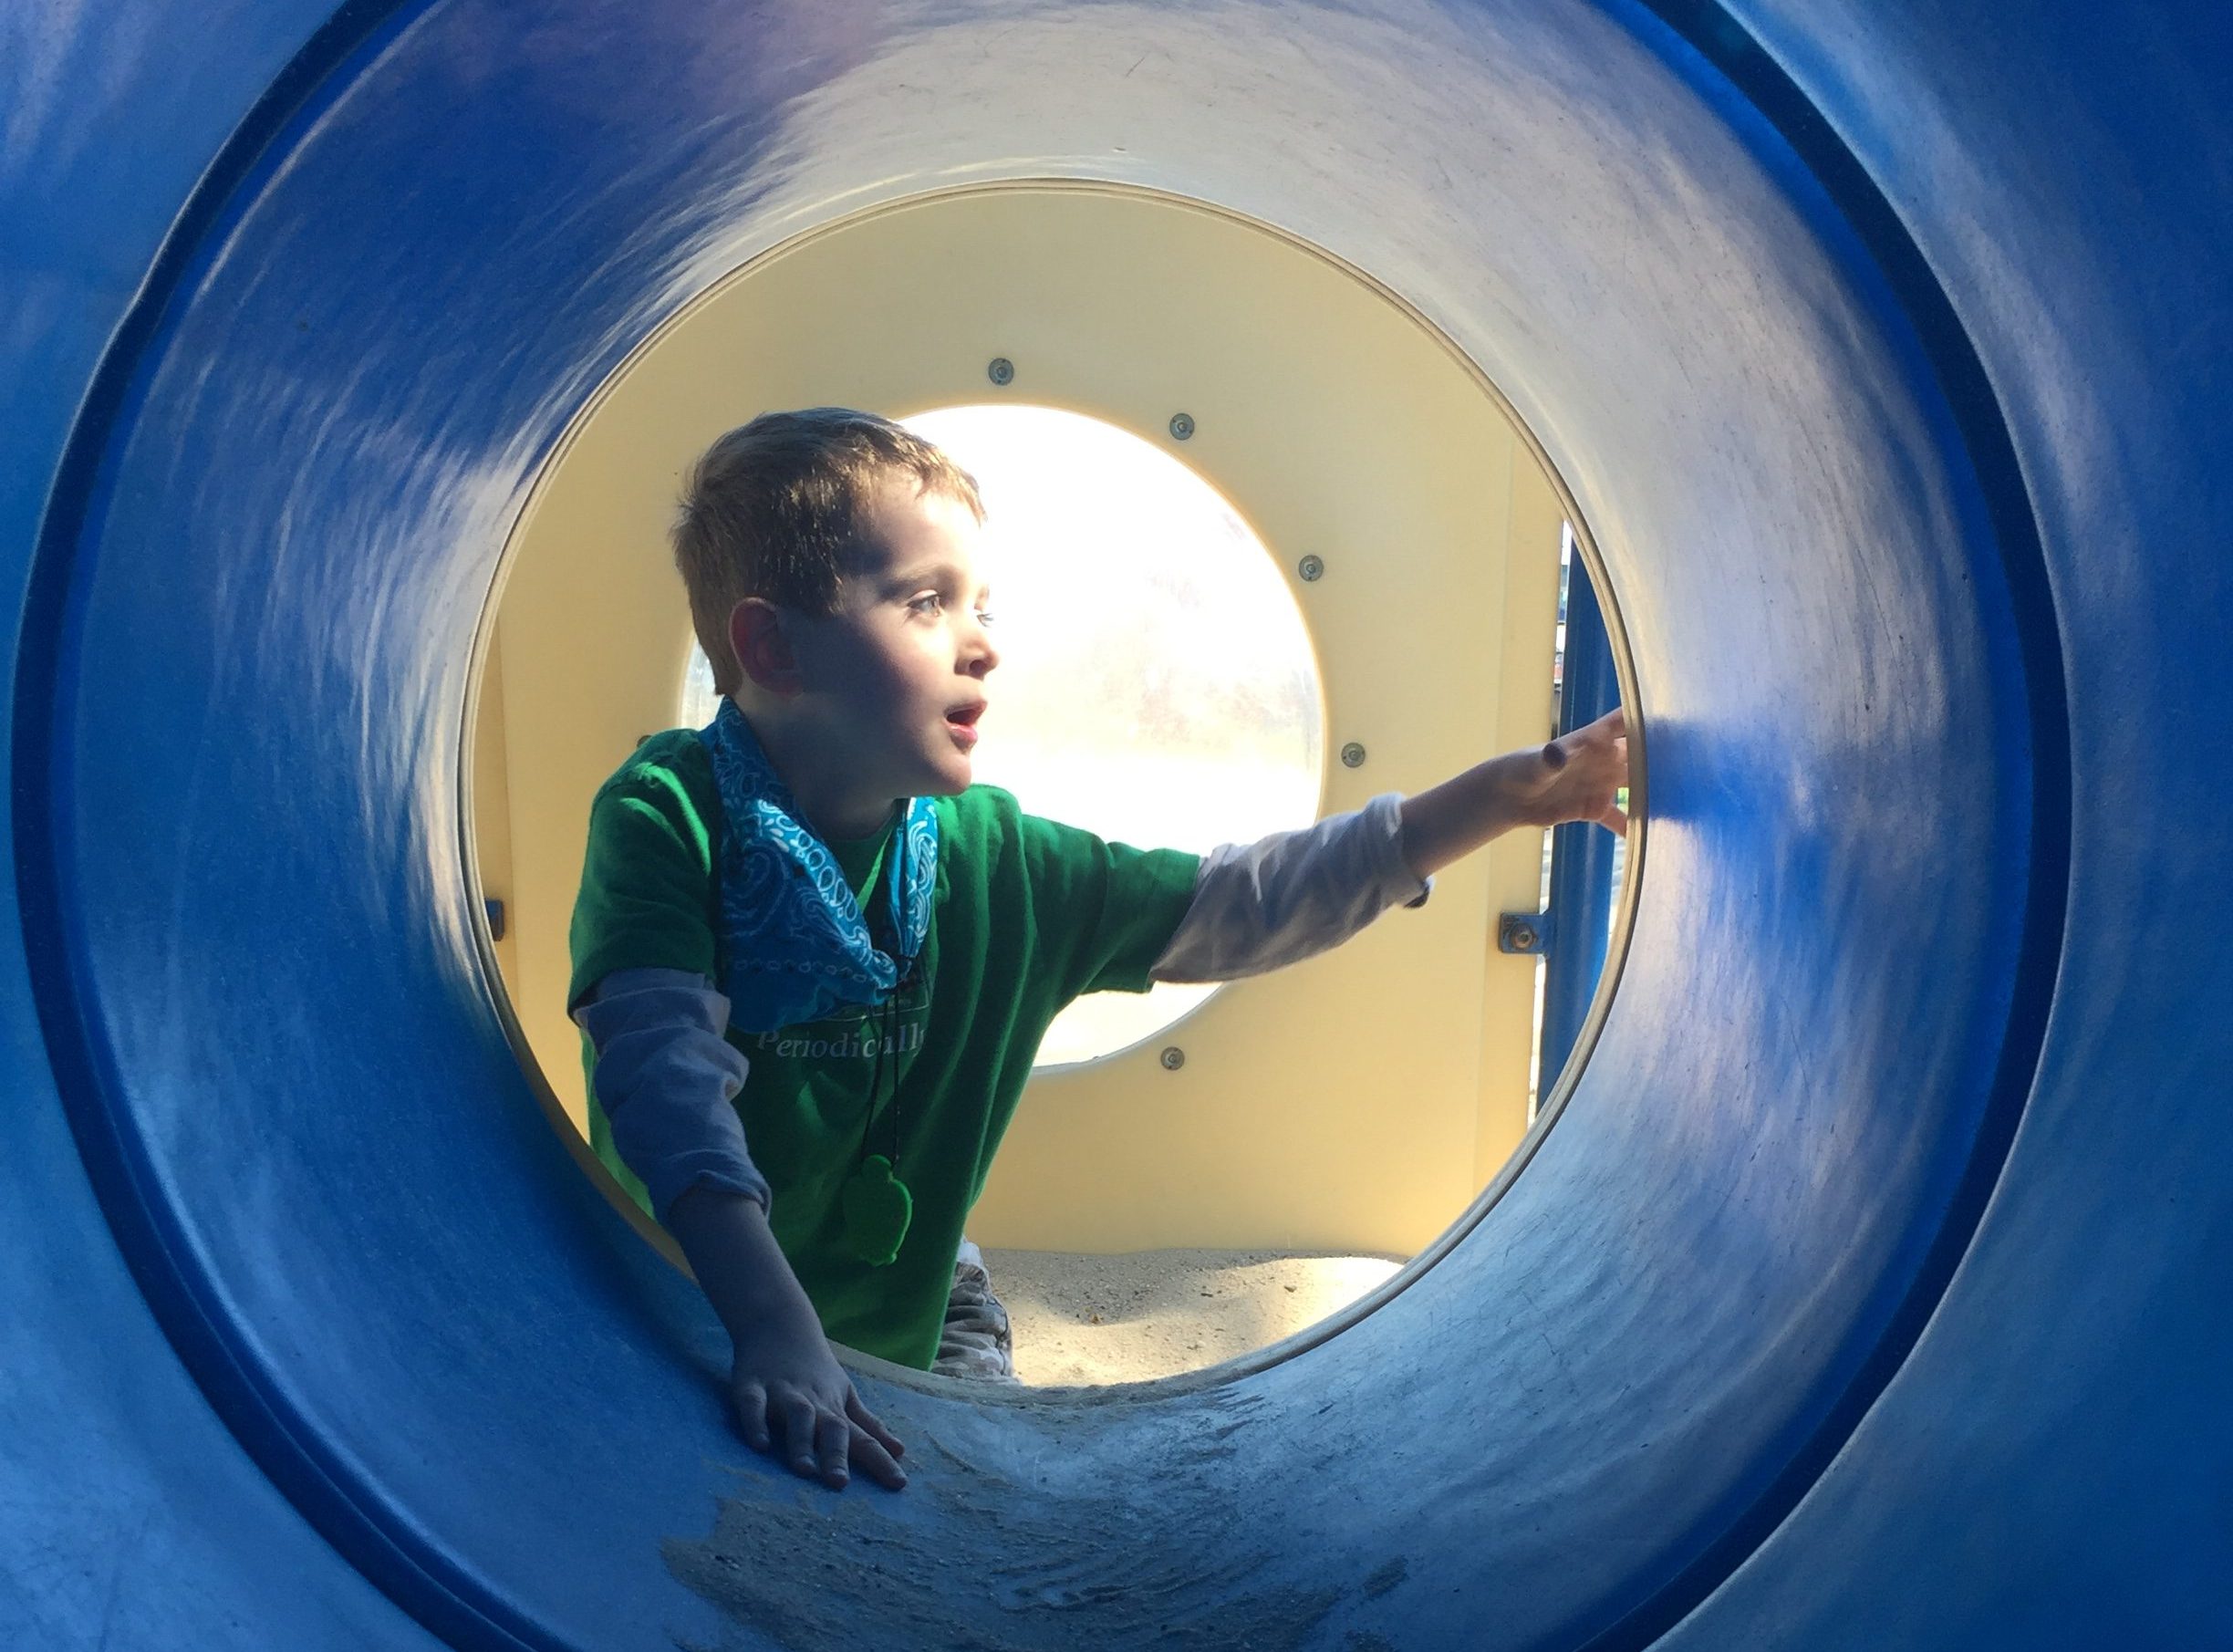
(1310, 567)
(1182, 426)
(1002, 370)
(1352, 755)
(1173, 1058)
(1522, 937)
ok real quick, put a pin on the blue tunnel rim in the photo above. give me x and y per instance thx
(380, 1540)
(1728, 48)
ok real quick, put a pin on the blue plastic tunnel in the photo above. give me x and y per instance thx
(1870, 1289)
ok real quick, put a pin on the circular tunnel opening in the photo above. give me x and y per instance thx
(1322, 576)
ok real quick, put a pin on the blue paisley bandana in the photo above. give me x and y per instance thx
(796, 943)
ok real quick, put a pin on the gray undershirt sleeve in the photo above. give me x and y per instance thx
(666, 1076)
(1288, 897)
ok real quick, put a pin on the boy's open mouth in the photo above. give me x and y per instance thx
(962, 722)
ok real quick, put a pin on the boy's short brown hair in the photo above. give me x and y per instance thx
(774, 508)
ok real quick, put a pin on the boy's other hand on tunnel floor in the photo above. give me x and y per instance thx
(792, 1399)
(795, 1402)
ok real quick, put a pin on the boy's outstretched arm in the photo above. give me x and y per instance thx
(792, 1399)
(1292, 895)
(1574, 777)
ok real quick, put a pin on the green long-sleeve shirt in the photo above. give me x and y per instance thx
(1027, 915)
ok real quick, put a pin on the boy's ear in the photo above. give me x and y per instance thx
(763, 651)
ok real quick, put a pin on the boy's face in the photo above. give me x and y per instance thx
(896, 677)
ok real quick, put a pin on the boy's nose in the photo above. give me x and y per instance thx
(983, 658)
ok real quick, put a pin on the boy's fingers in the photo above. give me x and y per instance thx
(798, 1415)
(868, 1423)
(752, 1414)
(872, 1459)
(832, 1437)
(1613, 820)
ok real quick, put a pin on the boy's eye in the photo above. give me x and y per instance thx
(931, 604)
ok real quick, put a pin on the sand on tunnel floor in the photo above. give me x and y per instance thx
(1109, 1319)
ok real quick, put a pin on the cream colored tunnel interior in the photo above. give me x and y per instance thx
(1357, 1102)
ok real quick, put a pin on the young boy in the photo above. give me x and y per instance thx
(802, 928)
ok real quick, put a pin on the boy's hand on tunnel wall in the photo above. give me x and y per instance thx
(795, 1402)
(1583, 774)
(1577, 776)
(792, 1399)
